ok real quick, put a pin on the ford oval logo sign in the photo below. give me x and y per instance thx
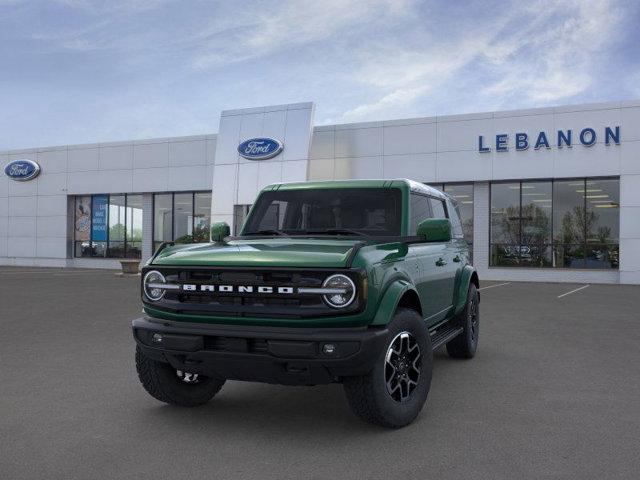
(22, 170)
(260, 148)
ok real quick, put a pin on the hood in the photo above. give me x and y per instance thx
(264, 252)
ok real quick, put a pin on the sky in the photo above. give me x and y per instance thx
(80, 71)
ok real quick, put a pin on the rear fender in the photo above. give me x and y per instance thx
(468, 275)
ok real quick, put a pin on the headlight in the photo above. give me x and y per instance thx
(152, 284)
(343, 291)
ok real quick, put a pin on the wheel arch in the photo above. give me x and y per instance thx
(400, 293)
(469, 276)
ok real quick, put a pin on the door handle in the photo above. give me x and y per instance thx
(440, 262)
(456, 258)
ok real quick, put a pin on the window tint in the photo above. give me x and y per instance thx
(420, 209)
(183, 217)
(201, 217)
(240, 213)
(373, 211)
(117, 217)
(603, 211)
(134, 226)
(108, 226)
(454, 216)
(463, 197)
(563, 224)
(505, 223)
(535, 242)
(437, 208)
(162, 219)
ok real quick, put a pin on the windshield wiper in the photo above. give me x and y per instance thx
(337, 231)
(268, 232)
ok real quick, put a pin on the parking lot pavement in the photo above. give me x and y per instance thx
(554, 392)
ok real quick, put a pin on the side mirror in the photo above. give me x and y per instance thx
(219, 231)
(435, 229)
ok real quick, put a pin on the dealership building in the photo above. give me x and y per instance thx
(547, 194)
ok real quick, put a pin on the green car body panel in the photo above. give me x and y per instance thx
(431, 277)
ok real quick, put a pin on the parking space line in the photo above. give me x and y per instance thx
(55, 273)
(573, 291)
(496, 285)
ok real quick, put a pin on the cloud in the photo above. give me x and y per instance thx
(125, 69)
(555, 63)
(541, 53)
(263, 31)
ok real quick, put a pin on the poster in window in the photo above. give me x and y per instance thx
(99, 217)
(83, 219)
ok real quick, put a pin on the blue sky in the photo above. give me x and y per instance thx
(76, 71)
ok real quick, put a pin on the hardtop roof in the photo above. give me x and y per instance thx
(412, 185)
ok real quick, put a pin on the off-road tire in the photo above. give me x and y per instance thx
(162, 383)
(466, 344)
(368, 396)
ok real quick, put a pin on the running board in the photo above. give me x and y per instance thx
(444, 335)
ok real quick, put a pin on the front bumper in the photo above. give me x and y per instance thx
(288, 356)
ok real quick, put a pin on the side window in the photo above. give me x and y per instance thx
(454, 216)
(437, 207)
(420, 209)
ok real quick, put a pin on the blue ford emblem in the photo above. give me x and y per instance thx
(22, 170)
(260, 148)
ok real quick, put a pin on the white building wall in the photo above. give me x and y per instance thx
(35, 216)
(481, 228)
(237, 180)
(36, 220)
(445, 149)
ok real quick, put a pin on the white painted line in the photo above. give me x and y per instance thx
(56, 273)
(496, 285)
(573, 291)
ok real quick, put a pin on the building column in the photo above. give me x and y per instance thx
(629, 229)
(237, 180)
(147, 227)
(481, 217)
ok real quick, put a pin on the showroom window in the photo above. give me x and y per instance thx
(183, 217)
(108, 226)
(562, 224)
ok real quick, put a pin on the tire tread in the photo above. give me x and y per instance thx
(151, 379)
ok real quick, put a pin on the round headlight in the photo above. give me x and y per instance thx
(343, 291)
(151, 281)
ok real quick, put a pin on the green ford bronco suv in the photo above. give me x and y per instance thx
(354, 282)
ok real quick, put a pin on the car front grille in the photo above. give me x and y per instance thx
(249, 304)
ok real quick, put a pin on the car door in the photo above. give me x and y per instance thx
(460, 247)
(427, 276)
(446, 260)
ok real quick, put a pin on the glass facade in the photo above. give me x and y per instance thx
(183, 217)
(561, 224)
(108, 226)
(570, 223)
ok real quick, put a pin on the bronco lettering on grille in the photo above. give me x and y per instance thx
(189, 287)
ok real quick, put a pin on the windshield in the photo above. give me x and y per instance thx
(333, 211)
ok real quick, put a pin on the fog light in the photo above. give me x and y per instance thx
(328, 349)
(156, 338)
